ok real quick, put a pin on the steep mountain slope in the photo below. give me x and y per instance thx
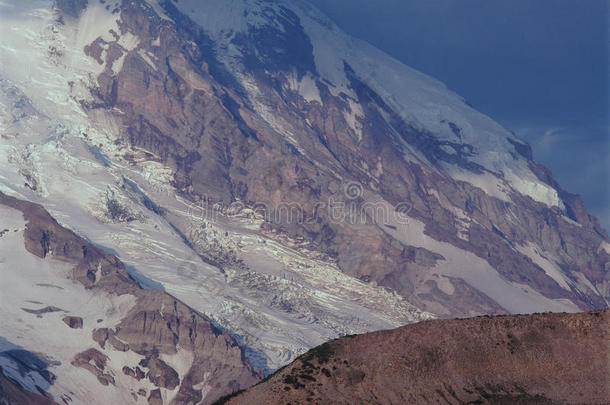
(81, 330)
(115, 184)
(350, 113)
(289, 182)
(534, 359)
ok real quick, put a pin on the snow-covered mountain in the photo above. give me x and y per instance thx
(286, 181)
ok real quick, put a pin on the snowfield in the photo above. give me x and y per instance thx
(37, 286)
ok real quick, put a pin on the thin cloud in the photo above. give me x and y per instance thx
(549, 138)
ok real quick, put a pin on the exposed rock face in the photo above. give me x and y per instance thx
(94, 361)
(160, 374)
(534, 359)
(156, 325)
(206, 114)
(155, 398)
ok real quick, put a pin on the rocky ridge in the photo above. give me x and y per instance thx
(533, 359)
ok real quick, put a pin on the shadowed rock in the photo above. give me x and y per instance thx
(75, 322)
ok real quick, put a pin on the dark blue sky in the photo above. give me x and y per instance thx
(539, 67)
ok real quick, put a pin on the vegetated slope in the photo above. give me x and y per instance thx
(523, 359)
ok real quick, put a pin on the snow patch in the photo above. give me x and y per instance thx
(490, 184)
(478, 273)
(537, 190)
(306, 87)
(354, 116)
(158, 9)
(147, 58)
(128, 41)
(583, 280)
(550, 268)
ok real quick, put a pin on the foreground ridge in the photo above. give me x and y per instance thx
(523, 359)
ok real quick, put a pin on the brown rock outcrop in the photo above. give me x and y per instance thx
(155, 397)
(160, 374)
(136, 373)
(94, 361)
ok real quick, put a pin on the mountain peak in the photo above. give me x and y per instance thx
(284, 181)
